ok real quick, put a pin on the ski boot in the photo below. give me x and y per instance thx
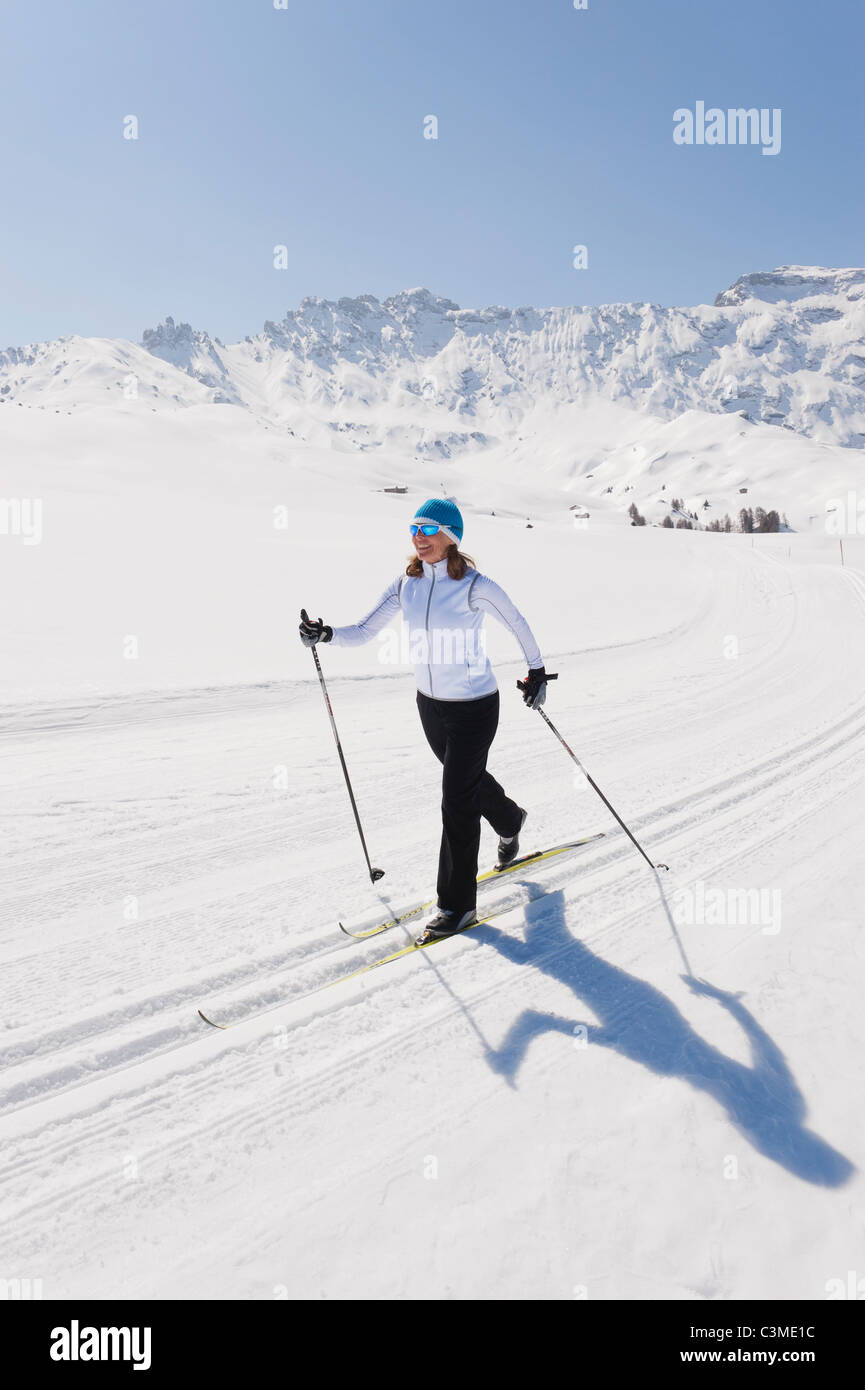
(445, 924)
(509, 845)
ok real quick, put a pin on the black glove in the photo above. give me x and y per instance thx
(534, 687)
(313, 630)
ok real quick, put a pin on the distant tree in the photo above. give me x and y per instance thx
(683, 525)
(636, 519)
(706, 505)
(668, 522)
(714, 525)
(773, 521)
(746, 521)
(760, 520)
(727, 524)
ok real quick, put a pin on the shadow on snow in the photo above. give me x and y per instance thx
(638, 1021)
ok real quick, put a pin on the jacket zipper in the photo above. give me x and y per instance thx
(426, 628)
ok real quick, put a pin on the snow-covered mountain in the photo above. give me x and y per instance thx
(420, 374)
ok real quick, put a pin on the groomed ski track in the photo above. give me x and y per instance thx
(540, 1108)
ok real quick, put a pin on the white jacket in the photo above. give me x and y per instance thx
(442, 621)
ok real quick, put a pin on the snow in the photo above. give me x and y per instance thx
(548, 1107)
(785, 346)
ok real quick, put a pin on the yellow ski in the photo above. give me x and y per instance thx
(538, 856)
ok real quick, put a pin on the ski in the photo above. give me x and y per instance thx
(364, 969)
(489, 876)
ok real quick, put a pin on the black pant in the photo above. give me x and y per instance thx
(460, 733)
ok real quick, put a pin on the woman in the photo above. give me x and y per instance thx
(444, 599)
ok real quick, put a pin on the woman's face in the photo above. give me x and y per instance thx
(431, 548)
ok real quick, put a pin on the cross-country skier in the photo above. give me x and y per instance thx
(444, 599)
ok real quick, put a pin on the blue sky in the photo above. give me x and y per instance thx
(304, 127)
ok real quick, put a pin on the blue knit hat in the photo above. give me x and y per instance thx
(445, 513)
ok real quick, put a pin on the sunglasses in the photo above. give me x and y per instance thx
(428, 529)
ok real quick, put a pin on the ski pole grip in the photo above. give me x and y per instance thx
(553, 676)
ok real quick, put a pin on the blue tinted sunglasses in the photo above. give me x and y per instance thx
(428, 529)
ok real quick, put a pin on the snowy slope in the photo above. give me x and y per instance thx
(200, 532)
(544, 1108)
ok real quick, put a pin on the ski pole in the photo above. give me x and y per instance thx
(375, 874)
(592, 783)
